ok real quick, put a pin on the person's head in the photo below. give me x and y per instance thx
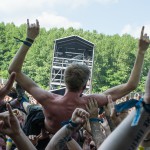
(76, 76)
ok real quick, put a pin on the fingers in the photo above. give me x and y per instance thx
(111, 104)
(144, 37)
(92, 102)
(32, 137)
(83, 113)
(5, 90)
(113, 113)
(33, 25)
(9, 109)
(142, 32)
(79, 112)
(27, 22)
(37, 23)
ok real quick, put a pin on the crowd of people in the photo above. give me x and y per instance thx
(73, 121)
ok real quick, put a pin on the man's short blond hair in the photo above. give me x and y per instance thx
(76, 76)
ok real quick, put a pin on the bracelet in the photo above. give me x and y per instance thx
(29, 40)
(73, 124)
(95, 120)
(27, 43)
(9, 140)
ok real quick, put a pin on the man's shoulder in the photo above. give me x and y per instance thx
(101, 98)
(95, 95)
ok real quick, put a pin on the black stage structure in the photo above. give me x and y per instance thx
(66, 51)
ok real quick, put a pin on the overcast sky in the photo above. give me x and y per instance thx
(106, 16)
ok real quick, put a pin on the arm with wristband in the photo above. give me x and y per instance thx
(112, 118)
(17, 63)
(96, 131)
(63, 136)
(9, 143)
(126, 136)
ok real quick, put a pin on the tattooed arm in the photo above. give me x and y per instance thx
(128, 137)
(59, 140)
(96, 131)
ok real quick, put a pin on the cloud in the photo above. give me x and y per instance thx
(134, 30)
(47, 11)
(47, 20)
(8, 6)
(53, 20)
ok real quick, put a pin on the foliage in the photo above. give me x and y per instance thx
(113, 60)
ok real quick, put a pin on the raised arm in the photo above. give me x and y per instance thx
(26, 83)
(9, 125)
(59, 140)
(97, 134)
(121, 90)
(6, 89)
(128, 137)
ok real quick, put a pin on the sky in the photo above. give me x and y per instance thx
(105, 16)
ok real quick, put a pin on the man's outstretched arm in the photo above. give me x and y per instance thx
(26, 83)
(121, 90)
(128, 137)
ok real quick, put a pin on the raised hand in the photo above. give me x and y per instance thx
(33, 29)
(79, 116)
(9, 123)
(92, 108)
(143, 41)
(34, 139)
(109, 109)
(6, 89)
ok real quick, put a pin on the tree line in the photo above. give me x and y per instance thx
(114, 55)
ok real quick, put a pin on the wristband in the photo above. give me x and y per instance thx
(27, 43)
(73, 124)
(29, 40)
(9, 140)
(95, 120)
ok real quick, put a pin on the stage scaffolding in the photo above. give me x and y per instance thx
(66, 51)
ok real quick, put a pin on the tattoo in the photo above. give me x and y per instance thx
(61, 144)
(140, 134)
(147, 122)
(136, 140)
(97, 133)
